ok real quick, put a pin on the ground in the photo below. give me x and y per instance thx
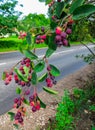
(39, 120)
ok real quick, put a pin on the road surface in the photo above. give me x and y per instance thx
(64, 58)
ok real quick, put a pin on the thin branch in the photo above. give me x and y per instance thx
(15, 65)
(88, 48)
(91, 1)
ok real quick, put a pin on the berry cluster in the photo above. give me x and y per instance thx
(25, 62)
(40, 38)
(18, 102)
(22, 35)
(51, 79)
(61, 36)
(8, 77)
(21, 110)
(51, 3)
(34, 102)
(19, 115)
(18, 118)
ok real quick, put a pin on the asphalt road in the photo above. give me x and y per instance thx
(64, 58)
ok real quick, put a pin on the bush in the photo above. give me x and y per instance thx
(9, 42)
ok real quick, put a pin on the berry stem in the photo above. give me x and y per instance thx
(61, 23)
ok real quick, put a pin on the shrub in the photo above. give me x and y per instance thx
(9, 42)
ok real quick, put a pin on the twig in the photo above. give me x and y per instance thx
(88, 48)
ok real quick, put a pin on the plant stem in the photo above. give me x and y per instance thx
(88, 48)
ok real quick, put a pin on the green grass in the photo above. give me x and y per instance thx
(14, 41)
(8, 49)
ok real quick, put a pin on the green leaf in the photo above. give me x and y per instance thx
(49, 52)
(30, 55)
(46, 1)
(18, 90)
(28, 38)
(34, 78)
(54, 71)
(11, 115)
(32, 64)
(16, 126)
(50, 90)
(51, 44)
(63, 14)
(83, 11)
(43, 77)
(20, 75)
(93, 128)
(26, 70)
(53, 25)
(42, 0)
(41, 103)
(40, 66)
(59, 9)
(4, 76)
(75, 4)
(26, 101)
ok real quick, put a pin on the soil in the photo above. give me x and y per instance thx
(40, 119)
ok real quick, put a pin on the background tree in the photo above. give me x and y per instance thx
(33, 21)
(8, 16)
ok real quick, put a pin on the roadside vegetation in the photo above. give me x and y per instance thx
(75, 108)
(12, 44)
(67, 24)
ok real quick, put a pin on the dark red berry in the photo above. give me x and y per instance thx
(31, 98)
(20, 120)
(54, 82)
(16, 100)
(38, 37)
(68, 31)
(34, 109)
(65, 42)
(7, 81)
(63, 35)
(57, 38)
(27, 92)
(42, 29)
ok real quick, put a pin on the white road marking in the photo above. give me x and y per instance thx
(56, 53)
(61, 52)
(3, 63)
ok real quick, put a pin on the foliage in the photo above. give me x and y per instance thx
(64, 117)
(63, 15)
(89, 58)
(72, 106)
(13, 43)
(92, 108)
(8, 16)
(9, 42)
(32, 22)
(81, 26)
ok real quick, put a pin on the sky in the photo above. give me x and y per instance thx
(32, 6)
